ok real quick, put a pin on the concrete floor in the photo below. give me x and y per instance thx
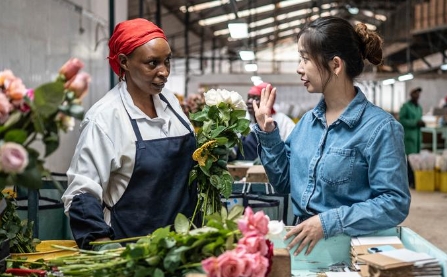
(428, 217)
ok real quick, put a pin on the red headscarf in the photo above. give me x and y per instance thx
(256, 90)
(129, 35)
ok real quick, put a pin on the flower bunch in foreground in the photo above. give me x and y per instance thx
(223, 121)
(29, 115)
(168, 253)
(253, 254)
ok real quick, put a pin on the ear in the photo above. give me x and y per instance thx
(123, 61)
(337, 65)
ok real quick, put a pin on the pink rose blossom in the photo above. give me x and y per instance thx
(230, 264)
(5, 108)
(6, 75)
(13, 158)
(16, 89)
(211, 267)
(79, 84)
(254, 243)
(30, 95)
(259, 265)
(254, 222)
(71, 68)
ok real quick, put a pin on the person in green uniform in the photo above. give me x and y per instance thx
(410, 116)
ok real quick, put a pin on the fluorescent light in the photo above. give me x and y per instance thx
(353, 10)
(247, 55)
(388, 82)
(238, 29)
(443, 67)
(251, 67)
(405, 77)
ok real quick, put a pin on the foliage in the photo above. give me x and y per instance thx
(18, 231)
(164, 253)
(36, 115)
(29, 116)
(223, 121)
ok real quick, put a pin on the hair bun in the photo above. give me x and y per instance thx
(372, 44)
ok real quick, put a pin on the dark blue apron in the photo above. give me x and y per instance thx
(157, 191)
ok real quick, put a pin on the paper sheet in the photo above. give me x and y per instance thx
(375, 240)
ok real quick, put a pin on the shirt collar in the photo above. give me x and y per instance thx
(132, 109)
(351, 114)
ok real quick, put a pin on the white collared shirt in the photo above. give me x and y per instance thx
(104, 157)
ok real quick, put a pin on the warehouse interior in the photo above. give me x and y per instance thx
(205, 56)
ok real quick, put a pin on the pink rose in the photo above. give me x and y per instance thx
(241, 253)
(5, 108)
(30, 95)
(79, 84)
(4, 76)
(259, 264)
(13, 158)
(254, 243)
(211, 267)
(230, 264)
(258, 222)
(16, 89)
(71, 68)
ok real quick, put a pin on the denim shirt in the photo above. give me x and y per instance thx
(353, 174)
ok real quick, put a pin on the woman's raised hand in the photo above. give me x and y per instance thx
(263, 113)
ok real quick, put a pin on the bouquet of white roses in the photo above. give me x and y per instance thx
(223, 120)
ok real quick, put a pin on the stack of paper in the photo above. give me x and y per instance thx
(360, 246)
(402, 262)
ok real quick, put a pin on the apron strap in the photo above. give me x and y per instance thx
(163, 98)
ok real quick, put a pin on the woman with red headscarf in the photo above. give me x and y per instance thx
(129, 173)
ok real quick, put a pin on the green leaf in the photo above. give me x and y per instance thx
(51, 143)
(235, 212)
(12, 119)
(216, 132)
(17, 135)
(226, 184)
(158, 273)
(181, 224)
(76, 111)
(48, 97)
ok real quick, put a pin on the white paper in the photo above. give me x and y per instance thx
(407, 255)
(342, 274)
(375, 240)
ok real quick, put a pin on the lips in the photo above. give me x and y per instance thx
(159, 85)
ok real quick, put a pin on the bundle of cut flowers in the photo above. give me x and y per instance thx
(230, 245)
(223, 121)
(30, 115)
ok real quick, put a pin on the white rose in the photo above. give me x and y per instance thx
(226, 96)
(237, 102)
(212, 97)
(276, 229)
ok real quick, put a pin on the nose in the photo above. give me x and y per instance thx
(164, 71)
(300, 69)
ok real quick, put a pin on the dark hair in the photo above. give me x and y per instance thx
(330, 36)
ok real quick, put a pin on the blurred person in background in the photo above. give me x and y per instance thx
(250, 142)
(410, 116)
(344, 163)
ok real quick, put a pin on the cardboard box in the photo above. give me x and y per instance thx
(424, 180)
(256, 174)
(238, 171)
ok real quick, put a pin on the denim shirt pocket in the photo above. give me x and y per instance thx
(337, 166)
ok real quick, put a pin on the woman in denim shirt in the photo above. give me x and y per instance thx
(344, 163)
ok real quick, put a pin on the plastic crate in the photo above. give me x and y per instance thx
(424, 180)
(441, 181)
